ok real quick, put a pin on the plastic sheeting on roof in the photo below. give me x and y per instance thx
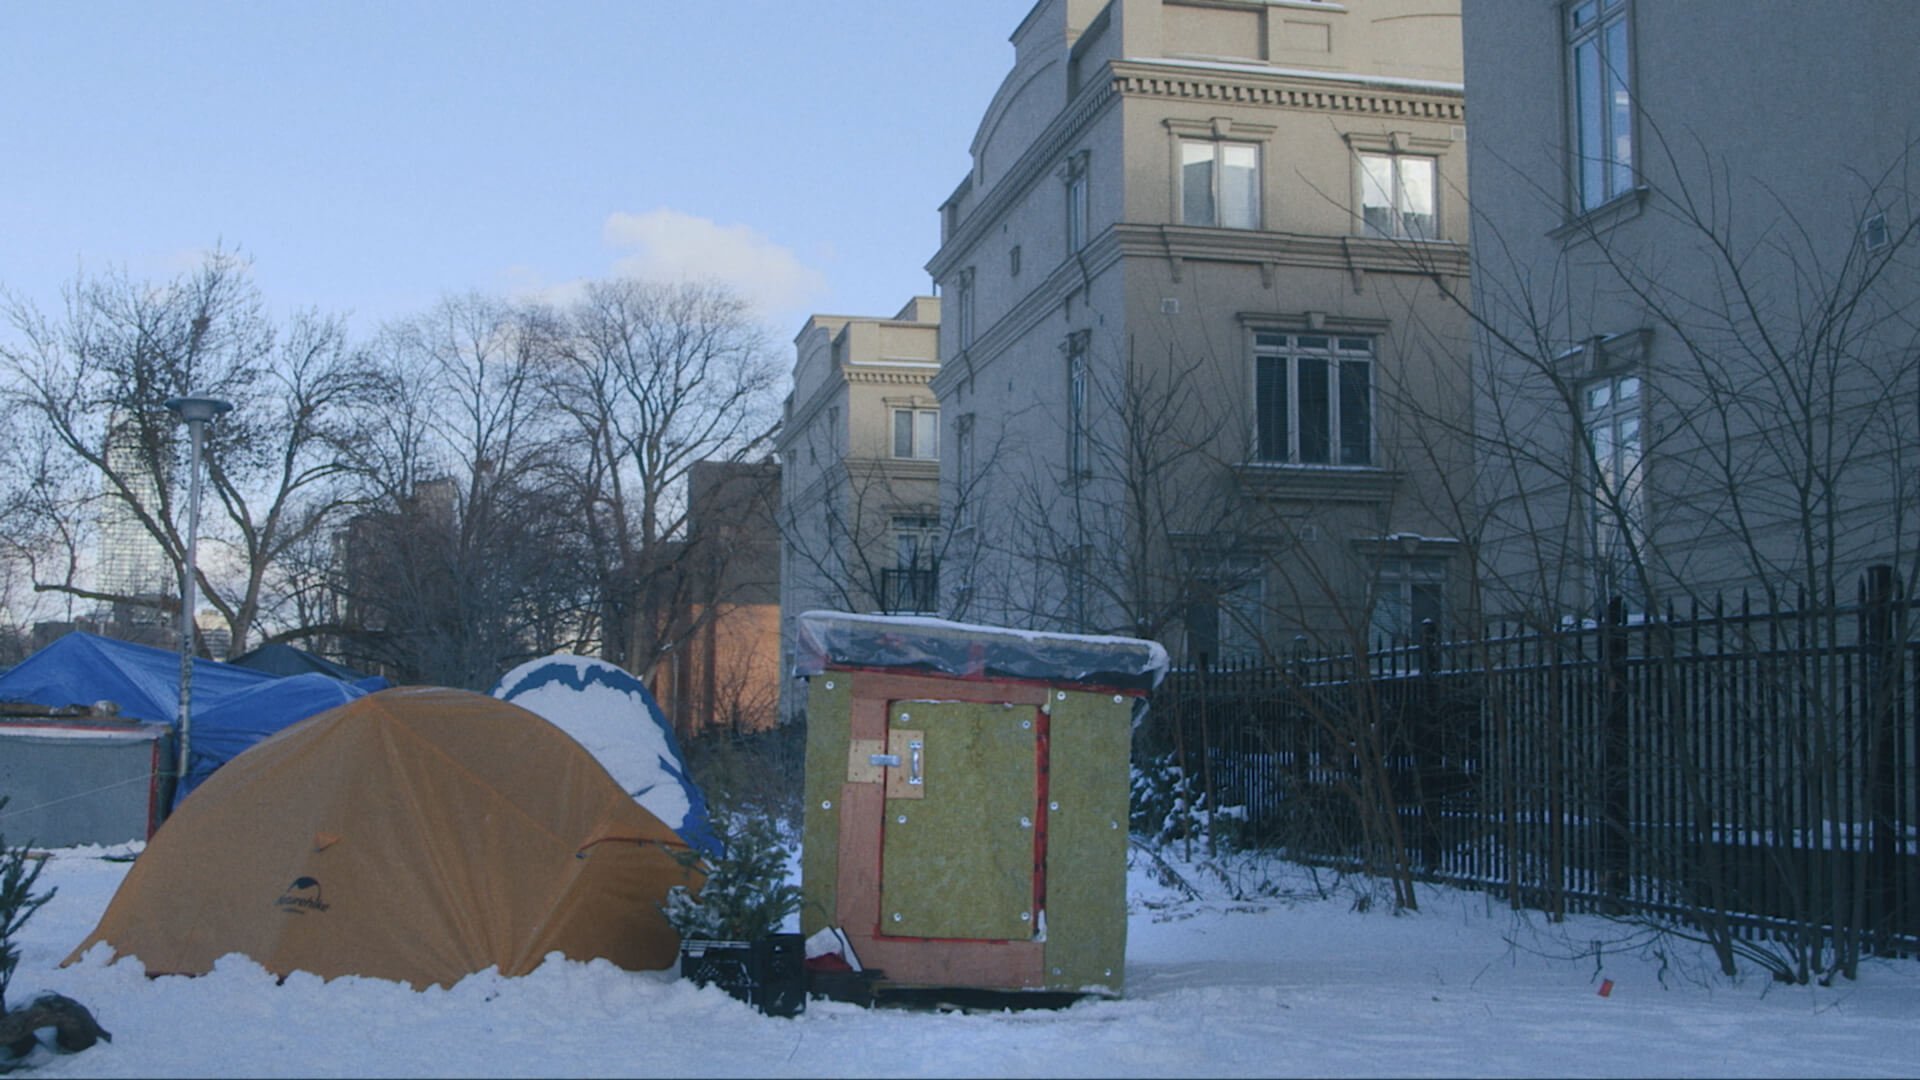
(961, 650)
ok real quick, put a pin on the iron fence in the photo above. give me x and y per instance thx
(1757, 767)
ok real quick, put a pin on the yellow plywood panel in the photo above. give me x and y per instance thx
(829, 716)
(958, 861)
(1087, 841)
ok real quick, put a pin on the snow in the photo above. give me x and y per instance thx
(1261, 974)
(609, 712)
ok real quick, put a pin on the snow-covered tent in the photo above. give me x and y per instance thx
(611, 713)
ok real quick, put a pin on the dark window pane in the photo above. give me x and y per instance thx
(902, 433)
(1314, 414)
(1270, 403)
(1356, 413)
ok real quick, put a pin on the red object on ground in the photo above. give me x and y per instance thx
(1606, 987)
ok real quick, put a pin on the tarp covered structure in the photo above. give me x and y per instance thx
(611, 713)
(233, 707)
(280, 658)
(419, 834)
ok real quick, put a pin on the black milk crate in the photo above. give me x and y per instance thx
(768, 973)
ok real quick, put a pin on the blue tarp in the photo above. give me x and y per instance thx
(233, 707)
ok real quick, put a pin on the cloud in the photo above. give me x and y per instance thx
(668, 245)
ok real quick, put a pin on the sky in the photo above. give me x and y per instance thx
(372, 156)
(1269, 977)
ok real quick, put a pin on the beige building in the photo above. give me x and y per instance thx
(1201, 374)
(1696, 266)
(860, 479)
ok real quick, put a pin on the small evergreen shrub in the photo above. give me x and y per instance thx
(18, 873)
(746, 896)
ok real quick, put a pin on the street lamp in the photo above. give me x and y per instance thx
(197, 412)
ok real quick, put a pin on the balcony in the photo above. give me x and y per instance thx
(910, 591)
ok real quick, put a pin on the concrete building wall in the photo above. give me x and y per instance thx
(1731, 277)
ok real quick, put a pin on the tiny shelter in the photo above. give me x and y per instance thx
(418, 834)
(77, 775)
(966, 799)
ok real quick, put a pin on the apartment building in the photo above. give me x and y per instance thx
(1203, 354)
(860, 480)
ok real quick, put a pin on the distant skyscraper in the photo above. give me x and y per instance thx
(132, 563)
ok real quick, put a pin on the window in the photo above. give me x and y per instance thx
(1599, 61)
(1611, 424)
(963, 320)
(916, 434)
(963, 472)
(1313, 399)
(913, 584)
(1397, 196)
(1219, 183)
(1407, 593)
(1077, 463)
(1224, 620)
(1077, 220)
(1873, 232)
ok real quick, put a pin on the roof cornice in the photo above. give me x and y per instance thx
(1288, 89)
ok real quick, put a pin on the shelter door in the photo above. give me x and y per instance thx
(961, 841)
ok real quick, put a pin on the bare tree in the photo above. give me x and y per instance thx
(90, 384)
(651, 379)
(1716, 398)
(463, 559)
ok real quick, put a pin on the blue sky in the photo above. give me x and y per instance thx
(373, 156)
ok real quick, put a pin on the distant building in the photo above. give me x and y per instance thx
(1696, 264)
(860, 454)
(724, 671)
(133, 566)
(1200, 359)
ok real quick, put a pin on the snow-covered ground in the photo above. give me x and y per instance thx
(1287, 985)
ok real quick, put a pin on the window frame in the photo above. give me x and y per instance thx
(920, 422)
(1396, 208)
(1598, 173)
(964, 310)
(1215, 131)
(1407, 576)
(1342, 355)
(1079, 220)
(1616, 490)
(1078, 377)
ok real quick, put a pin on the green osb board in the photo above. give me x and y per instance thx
(958, 863)
(1087, 841)
(829, 723)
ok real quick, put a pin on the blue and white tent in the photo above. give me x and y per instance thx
(611, 713)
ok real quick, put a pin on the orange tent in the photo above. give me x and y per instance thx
(417, 834)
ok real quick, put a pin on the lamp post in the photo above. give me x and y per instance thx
(197, 412)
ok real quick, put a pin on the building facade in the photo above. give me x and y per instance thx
(1694, 272)
(859, 448)
(1203, 342)
(723, 672)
